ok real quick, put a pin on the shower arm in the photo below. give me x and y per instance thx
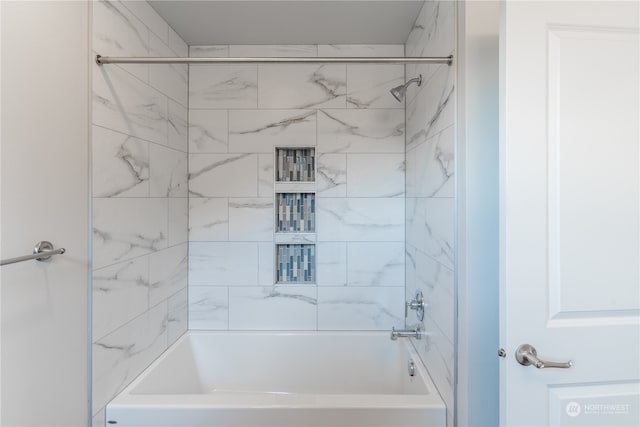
(414, 80)
(101, 60)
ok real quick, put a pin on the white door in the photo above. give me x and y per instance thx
(570, 215)
(45, 196)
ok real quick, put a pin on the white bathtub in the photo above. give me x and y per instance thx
(306, 379)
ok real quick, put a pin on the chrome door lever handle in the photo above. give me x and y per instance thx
(527, 355)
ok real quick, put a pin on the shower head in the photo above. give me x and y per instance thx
(399, 92)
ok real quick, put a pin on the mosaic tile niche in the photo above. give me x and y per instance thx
(296, 263)
(296, 164)
(295, 215)
(296, 212)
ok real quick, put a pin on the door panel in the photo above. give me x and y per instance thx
(570, 211)
(594, 167)
(599, 405)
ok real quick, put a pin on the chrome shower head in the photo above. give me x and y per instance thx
(399, 92)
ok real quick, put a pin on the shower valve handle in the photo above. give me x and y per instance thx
(417, 304)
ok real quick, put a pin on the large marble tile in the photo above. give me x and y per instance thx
(119, 293)
(177, 45)
(431, 172)
(223, 264)
(178, 220)
(266, 262)
(375, 263)
(272, 51)
(170, 79)
(439, 227)
(360, 50)
(251, 219)
(223, 175)
(150, 17)
(369, 85)
(223, 86)
(437, 352)
(361, 131)
(178, 315)
(177, 127)
(272, 308)
(208, 219)
(411, 173)
(266, 175)
(437, 35)
(362, 219)
(437, 285)
(410, 270)
(122, 102)
(168, 172)
(120, 164)
(419, 28)
(331, 175)
(124, 228)
(213, 51)
(433, 108)
(431, 227)
(360, 308)
(414, 222)
(208, 131)
(118, 32)
(302, 86)
(427, 71)
(260, 131)
(168, 270)
(375, 175)
(208, 308)
(331, 263)
(122, 355)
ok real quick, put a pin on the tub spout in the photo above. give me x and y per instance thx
(406, 333)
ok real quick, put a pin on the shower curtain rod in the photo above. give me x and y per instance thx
(288, 60)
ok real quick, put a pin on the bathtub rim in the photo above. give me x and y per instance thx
(429, 400)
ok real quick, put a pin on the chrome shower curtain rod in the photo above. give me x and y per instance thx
(304, 60)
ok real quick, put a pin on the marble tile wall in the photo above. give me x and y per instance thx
(140, 196)
(238, 114)
(430, 192)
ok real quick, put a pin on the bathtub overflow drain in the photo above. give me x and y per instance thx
(412, 368)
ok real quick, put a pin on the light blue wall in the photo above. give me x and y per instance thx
(477, 147)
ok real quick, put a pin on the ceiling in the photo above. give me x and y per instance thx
(214, 22)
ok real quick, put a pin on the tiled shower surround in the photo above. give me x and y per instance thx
(139, 164)
(238, 116)
(151, 210)
(430, 198)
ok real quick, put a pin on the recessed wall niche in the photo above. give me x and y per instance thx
(295, 204)
(295, 164)
(296, 213)
(295, 263)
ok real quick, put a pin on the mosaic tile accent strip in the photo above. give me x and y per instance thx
(295, 164)
(296, 212)
(296, 263)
